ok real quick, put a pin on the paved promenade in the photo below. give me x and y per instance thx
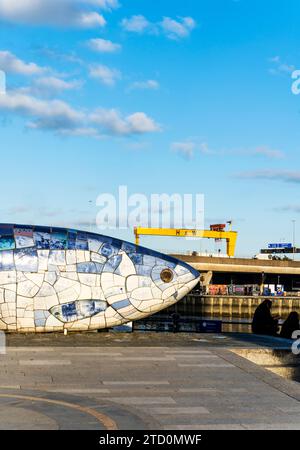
(143, 381)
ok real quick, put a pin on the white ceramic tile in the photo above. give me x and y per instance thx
(63, 283)
(53, 322)
(71, 257)
(68, 295)
(89, 279)
(9, 296)
(95, 257)
(144, 293)
(45, 302)
(46, 290)
(36, 278)
(50, 277)
(94, 245)
(27, 289)
(43, 260)
(85, 292)
(126, 267)
(80, 256)
(23, 322)
(137, 281)
(8, 277)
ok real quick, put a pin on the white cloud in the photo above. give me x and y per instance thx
(54, 114)
(279, 66)
(74, 13)
(104, 74)
(188, 148)
(88, 20)
(185, 149)
(63, 119)
(140, 123)
(171, 28)
(148, 84)
(112, 122)
(81, 132)
(9, 63)
(287, 208)
(270, 174)
(50, 86)
(151, 85)
(56, 55)
(136, 24)
(103, 46)
(105, 4)
(178, 29)
(268, 152)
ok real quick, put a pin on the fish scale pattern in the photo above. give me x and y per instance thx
(52, 279)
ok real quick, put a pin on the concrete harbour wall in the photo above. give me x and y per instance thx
(232, 307)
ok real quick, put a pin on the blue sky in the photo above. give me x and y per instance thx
(188, 96)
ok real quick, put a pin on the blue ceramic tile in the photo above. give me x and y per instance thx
(106, 250)
(41, 229)
(23, 237)
(89, 267)
(136, 258)
(71, 244)
(7, 260)
(128, 247)
(72, 235)
(112, 264)
(69, 311)
(81, 244)
(77, 310)
(58, 241)
(117, 244)
(7, 243)
(6, 229)
(42, 240)
(104, 239)
(143, 270)
(40, 318)
(26, 260)
(121, 304)
(82, 235)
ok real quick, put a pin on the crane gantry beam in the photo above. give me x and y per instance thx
(229, 236)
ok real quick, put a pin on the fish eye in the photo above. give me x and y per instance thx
(166, 275)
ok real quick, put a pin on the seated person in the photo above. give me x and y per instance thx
(290, 325)
(263, 321)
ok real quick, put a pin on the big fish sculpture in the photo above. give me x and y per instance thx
(56, 279)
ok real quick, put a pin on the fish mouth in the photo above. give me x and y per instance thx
(193, 283)
(194, 272)
(187, 288)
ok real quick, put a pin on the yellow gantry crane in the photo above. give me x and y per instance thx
(216, 232)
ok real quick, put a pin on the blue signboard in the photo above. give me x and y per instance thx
(281, 245)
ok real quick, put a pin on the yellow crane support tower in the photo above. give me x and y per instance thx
(230, 236)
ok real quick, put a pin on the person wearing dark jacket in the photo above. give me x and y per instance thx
(176, 320)
(290, 325)
(263, 321)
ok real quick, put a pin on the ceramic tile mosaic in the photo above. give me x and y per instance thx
(53, 279)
